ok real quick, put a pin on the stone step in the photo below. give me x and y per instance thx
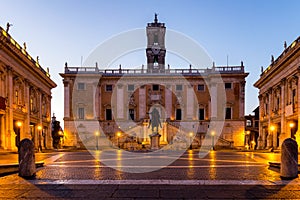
(277, 165)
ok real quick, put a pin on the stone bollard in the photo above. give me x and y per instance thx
(289, 159)
(27, 167)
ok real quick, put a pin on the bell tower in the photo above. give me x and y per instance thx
(156, 50)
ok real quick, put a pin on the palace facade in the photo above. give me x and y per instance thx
(115, 103)
(279, 99)
(25, 96)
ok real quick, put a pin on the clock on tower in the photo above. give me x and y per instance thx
(156, 50)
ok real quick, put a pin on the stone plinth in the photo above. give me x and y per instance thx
(154, 141)
(289, 159)
(27, 167)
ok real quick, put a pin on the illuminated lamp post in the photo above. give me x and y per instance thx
(191, 134)
(212, 139)
(247, 139)
(61, 135)
(97, 138)
(292, 125)
(39, 128)
(19, 125)
(118, 136)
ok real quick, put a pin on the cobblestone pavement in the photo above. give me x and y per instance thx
(219, 175)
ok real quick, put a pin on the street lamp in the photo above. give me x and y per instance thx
(247, 135)
(39, 128)
(212, 139)
(272, 128)
(118, 135)
(61, 135)
(97, 137)
(19, 124)
(292, 125)
(191, 135)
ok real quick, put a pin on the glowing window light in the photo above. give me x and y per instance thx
(13, 41)
(4, 33)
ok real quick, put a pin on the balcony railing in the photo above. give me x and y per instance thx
(188, 71)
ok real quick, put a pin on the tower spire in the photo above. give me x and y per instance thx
(155, 18)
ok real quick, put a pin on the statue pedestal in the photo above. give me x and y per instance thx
(154, 141)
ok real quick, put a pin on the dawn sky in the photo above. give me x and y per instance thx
(60, 31)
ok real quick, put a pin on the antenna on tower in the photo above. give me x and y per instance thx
(227, 60)
(81, 61)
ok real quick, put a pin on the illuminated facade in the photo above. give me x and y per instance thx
(128, 95)
(25, 97)
(279, 99)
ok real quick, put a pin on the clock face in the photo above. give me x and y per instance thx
(155, 49)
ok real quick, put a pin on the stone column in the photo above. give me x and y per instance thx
(67, 98)
(40, 136)
(99, 97)
(2, 134)
(27, 106)
(96, 100)
(270, 133)
(168, 101)
(214, 100)
(49, 128)
(260, 128)
(282, 120)
(163, 139)
(11, 144)
(190, 102)
(142, 102)
(242, 100)
(298, 110)
(120, 102)
(145, 130)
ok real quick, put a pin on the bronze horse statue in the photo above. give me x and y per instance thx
(154, 120)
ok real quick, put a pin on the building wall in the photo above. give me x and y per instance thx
(26, 89)
(279, 99)
(95, 99)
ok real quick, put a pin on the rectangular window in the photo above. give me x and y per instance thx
(179, 87)
(130, 88)
(17, 97)
(228, 113)
(201, 87)
(131, 114)
(228, 85)
(108, 88)
(31, 104)
(155, 87)
(178, 114)
(267, 109)
(294, 97)
(80, 113)
(201, 114)
(108, 114)
(278, 103)
(81, 86)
